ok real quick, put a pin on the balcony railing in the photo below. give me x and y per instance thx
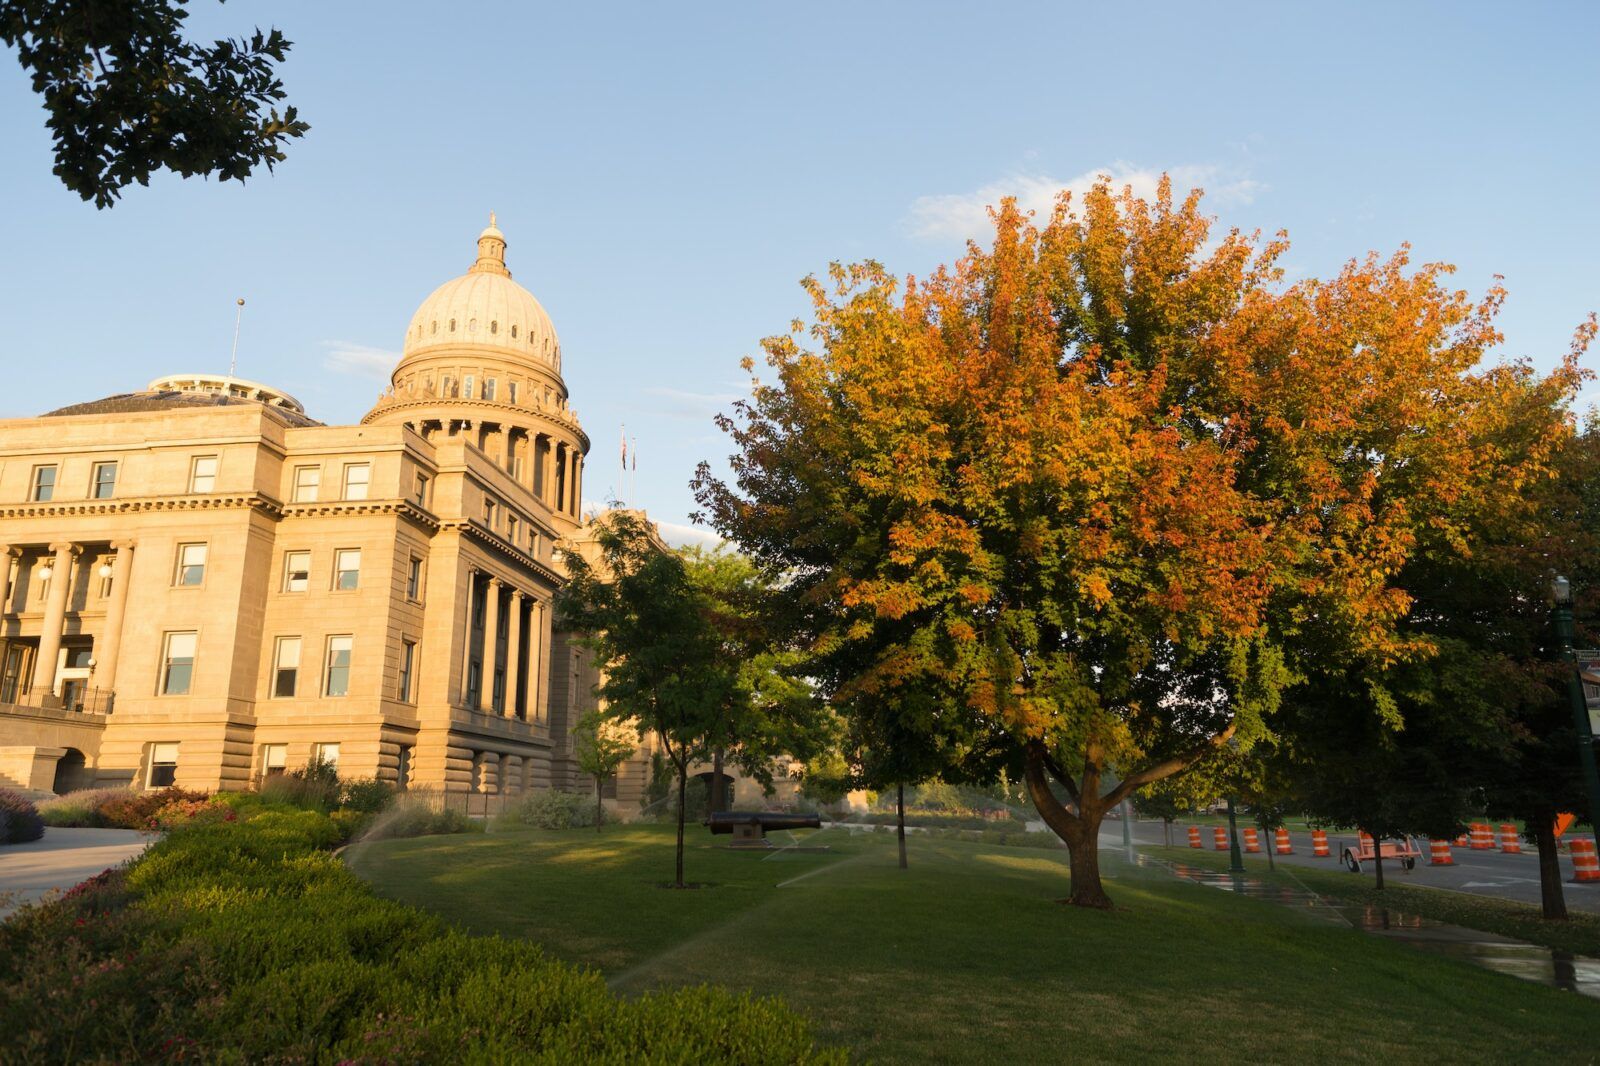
(74, 698)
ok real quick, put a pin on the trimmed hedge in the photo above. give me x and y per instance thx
(548, 809)
(247, 941)
(19, 818)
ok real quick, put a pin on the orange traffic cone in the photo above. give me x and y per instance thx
(1439, 853)
(1284, 846)
(1220, 838)
(1482, 837)
(1252, 843)
(1585, 861)
(1510, 842)
(1319, 844)
(1194, 836)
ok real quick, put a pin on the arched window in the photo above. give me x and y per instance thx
(435, 326)
(494, 327)
(452, 325)
(513, 332)
(472, 325)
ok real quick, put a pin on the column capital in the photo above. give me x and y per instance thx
(495, 582)
(66, 547)
(126, 544)
(11, 551)
(516, 594)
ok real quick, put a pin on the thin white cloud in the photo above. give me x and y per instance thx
(681, 536)
(361, 359)
(682, 403)
(960, 216)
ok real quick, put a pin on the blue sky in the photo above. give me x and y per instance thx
(666, 173)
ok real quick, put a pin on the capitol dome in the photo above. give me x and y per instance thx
(484, 308)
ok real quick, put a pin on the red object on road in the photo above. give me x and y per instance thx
(1439, 853)
(1482, 837)
(1252, 843)
(1283, 845)
(1194, 836)
(1319, 844)
(1585, 861)
(1220, 838)
(1510, 842)
(1404, 849)
(1461, 841)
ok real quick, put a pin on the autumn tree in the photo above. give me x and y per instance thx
(128, 94)
(1117, 485)
(600, 748)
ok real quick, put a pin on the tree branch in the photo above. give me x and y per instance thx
(1060, 775)
(1168, 767)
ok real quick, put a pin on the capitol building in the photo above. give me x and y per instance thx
(204, 586)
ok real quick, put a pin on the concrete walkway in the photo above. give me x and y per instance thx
(61, 859)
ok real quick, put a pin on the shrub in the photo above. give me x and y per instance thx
(367, 795)
(294, 789)
(80, 809)
(548, 809)
(245, 942)
(185, 812)
(415, 818)
(134, 810)
(22, 821)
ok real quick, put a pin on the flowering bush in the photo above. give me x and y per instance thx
(19, 818)
(184, 812)
(135, 810)
(81, 809)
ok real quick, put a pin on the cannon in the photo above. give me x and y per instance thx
(749, 828)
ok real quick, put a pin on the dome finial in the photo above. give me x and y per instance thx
(491, 251)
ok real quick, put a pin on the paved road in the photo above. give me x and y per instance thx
(1486, 873)
(61, 859)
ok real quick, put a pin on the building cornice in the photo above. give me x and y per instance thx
(406, 508)
(468, 527)
(478, 410)
(135, 504)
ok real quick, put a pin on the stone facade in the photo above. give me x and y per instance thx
(207, 586)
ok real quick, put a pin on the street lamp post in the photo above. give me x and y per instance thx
(1561, 590)
(1235, 859)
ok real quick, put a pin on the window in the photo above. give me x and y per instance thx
(326, 754)
(356, 476)
(516, 468)
(274, 758)
(474, 674)
(286, 667)
(408, 658)
(105, 481)
(177, 663)
(346, 569)
(422, 490)
(466, 386)
(296, 571)
(402, 769)
(414, 580)
(488, 388)
(488, 513)
(307, 482)
(498, 698)
(163, 765)
(511, 387)
(203, 474)
(494, 326)
(337, 682)
(191, 568)
(44, 484)
(511, 527)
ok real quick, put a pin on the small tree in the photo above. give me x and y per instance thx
(601, 748)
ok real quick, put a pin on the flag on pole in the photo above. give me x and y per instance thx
(624, 447)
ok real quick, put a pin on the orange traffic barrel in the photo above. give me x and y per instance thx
(1482, 837)
(1282, 842)
(1319, 843)
(1439, 853)
(1220, 838)
(1585, 861)
(1252, 843)
(1510, 842)
(1194, 836)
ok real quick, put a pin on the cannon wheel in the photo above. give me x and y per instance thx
(1351, 863)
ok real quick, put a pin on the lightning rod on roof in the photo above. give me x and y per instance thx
(233, 361)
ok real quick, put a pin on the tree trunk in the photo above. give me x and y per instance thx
(1166, 830)
(1270, 843)
(683, 785)
(900, 820)
(717, 799)
(1551, 894)
(599, 803)
(1377, 857)
(1080, 832)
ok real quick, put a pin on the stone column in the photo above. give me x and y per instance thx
(55, 616)
(549, 477)
(466, 640)
(513, 653)
(541, 695)
(491, 646)
(110, 644)
(8, 564)
(577, 484)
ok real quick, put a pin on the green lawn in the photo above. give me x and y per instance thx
(967, 957)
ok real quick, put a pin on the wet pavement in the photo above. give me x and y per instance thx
(1515, 958)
